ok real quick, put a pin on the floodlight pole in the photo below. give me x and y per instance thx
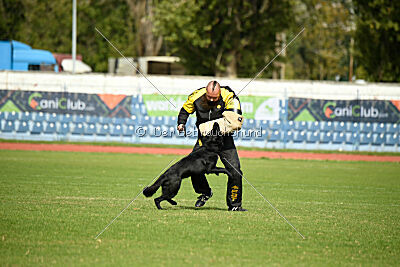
(73, 35)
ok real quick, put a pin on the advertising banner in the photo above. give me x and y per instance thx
(106, 105)
(260, 107)
(157, 105)
(303, 109)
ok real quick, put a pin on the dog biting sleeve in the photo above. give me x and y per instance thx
(230, 122)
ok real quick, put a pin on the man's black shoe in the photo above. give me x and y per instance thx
(202, 199)
(236, 209)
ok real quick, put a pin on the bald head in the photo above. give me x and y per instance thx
(213, 91)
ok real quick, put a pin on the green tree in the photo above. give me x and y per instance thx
(113, 19)
(233, 37)
(146, 43)
(377, 40)
(323, 51)
(11, 16)
(47, 24)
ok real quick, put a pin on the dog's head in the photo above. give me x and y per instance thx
(213, 141)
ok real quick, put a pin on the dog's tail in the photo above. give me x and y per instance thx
(152, 189)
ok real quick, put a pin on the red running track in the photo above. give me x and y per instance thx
(185, 151)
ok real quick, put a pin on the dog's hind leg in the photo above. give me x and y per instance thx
(170, 189)
(172, 202)
(157, 201)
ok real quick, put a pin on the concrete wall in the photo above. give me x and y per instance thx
(133, 85)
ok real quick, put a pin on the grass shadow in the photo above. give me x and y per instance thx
(202, 208)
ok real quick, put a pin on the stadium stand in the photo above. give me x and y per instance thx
(116, 130)
(103, 130)
(288, 136)
(64, 129)
(339, 138)
(275, 125)
(392, 139)
(393, 128)
(314, 126)
(366, 138)
(274, 136)
(119, 120)
(248, 124)
(12, 116)
(129, 131)
(144, 120)
(89, 129)
(157, 121)
(50, 128)
(354, 127)
(53, 117)
(352, 138)
(379, 127)
(280, 133)
(39, 116)
(300, 137)
(378, 139)
(263, 124)
(105, 120)
(66, 118)
(261, 137)
(339, 126)
(327, 126)
(23, 127)
(37, 127)
(301, 125)
(26, 116)
(78, 129)
(80, 118)
(289, 126)
(8, 127)
(313, 137)
(326, 137)
(93, 119)
(366, 127)
(130, 121)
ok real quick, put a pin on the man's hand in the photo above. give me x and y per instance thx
(181, 127)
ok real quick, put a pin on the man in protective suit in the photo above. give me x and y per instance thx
(219, 104)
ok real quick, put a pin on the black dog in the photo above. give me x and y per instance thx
(200, 161)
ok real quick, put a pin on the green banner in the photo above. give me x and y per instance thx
(253, 107)
(157, 105)
(260, 107)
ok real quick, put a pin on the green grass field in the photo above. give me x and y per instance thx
(53, 204)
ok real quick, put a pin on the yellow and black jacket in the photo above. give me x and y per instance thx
(197, 102)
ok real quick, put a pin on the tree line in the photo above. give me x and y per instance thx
(343, 39)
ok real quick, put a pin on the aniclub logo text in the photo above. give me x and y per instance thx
(332, 111)
(63, 103)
